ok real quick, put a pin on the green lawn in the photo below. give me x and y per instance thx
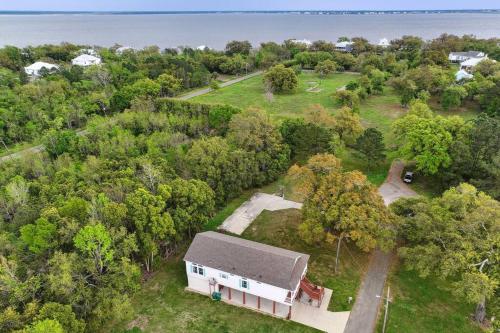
(163, 305)
(280, 229)
(423, 306)
(250, 93)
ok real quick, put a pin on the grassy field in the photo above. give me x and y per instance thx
(250, 93)
(422, 305)
(280, 229)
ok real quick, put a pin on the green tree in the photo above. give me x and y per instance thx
(454, 237)
(95, 241)
(326, 67)
(342, 205)
(453, 96)
(238, 47)
(348, 124)
(154, 225)
(348, 98)
(169, 85)
(371, 145)
(426, 138)
(40, 236)
(62, 314)
(191, 204)
(44, 326)
(281, 79)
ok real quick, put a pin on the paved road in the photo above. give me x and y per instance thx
(222, 85)
(363, 317)
(40, 148)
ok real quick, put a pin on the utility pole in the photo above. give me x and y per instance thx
(387, 300)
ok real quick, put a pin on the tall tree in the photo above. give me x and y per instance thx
(95, 241)
(371, 145)
(456, 237)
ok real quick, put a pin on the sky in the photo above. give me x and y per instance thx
(201, 5)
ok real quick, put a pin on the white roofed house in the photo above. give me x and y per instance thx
(463, 56)
(384, 42)
(344, 46)
(85, 60)
(469, 64)
(249, 274)
(123, 49)
(37, 68)
(306, 42)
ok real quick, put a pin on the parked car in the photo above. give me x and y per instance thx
(408, 178)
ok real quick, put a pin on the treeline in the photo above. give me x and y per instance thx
(79, 223)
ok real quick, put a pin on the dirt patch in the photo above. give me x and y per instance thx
(394, 111)
(140, 322)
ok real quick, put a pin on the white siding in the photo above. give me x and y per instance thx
(201, 284)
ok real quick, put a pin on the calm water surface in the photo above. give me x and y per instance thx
(214, 30)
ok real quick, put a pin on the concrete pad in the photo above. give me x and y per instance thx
(320, 318)
(249, 210)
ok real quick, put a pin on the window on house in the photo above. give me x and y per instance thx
(198, 269)
(244, 284)
(223, 276)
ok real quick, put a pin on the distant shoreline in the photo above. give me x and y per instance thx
(296, 12)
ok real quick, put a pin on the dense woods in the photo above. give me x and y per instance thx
(82, 223)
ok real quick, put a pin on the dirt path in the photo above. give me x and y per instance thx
(363, 317)
(40, 148)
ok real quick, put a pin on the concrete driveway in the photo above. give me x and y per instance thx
(249, 210)
(363, 317)
(320, 318)
(394, 188)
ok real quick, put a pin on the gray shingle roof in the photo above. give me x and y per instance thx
(471, 54)
(264, 263)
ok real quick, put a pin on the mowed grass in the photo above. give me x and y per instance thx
(280, 228)
(424, 306)
(163, 305)
(251, 93)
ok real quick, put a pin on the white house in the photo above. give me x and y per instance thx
(469, 64)
(202, 48)
(91, 52)
(250, 274)
(34, 69)
(384, 42)
(86, 60)
(463, 75)
(344, 46)
(463, 56)
(306, 42)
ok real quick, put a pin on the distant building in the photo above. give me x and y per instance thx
(463, 56)
(250, 274)
(306, 42)
(33, 70)
(344, 46)
(123, 49)
(384, 42)
(462, 75)
(202, 48)
(85, 60)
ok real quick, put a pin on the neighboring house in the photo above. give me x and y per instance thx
(33, 70)
(462, 75)
(463, 56)
(344, 46)
(306, 42)
(86, 60)
(123, 49)
(250, 274)
(384, 42)
(202, 48)
(469, 64)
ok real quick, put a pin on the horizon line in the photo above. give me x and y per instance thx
(246, 10)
